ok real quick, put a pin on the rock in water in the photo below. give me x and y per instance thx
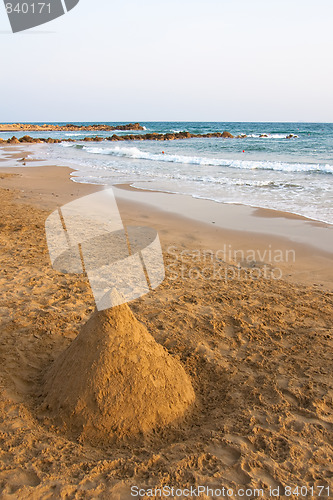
(227, 135)
(114, 381)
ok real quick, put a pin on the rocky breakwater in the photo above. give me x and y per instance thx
(137, 137)
(47, 127)
(131, 137)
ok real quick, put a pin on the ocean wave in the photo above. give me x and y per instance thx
(138, 154)
(265, 135)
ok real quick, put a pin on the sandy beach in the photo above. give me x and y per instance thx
(246, 309)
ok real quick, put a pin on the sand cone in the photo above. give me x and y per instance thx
(114, 381)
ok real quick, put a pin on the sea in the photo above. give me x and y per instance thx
(265, 169)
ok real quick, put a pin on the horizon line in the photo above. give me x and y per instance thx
(162, 121)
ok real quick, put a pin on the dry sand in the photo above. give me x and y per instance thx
(258, 353)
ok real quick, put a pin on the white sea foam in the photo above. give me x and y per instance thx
(265, 135)
(294, 176)
(138, 154)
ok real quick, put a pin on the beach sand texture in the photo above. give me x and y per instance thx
(258, 354)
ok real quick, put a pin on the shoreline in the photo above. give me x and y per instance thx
(21, 151)
(51, 127)
(258, 211)
(238, 227)
(237, 217)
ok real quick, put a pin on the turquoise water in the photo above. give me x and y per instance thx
(293, 175)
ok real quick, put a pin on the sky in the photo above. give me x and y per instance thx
(175, 60)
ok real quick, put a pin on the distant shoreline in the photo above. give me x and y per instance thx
(70, 127)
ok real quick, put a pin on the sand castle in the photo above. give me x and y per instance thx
(115, 382)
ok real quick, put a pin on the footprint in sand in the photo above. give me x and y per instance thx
(289, 397)
(15, 480)
(229, 331)
(233, 331)
(283, 383)
(265, 478)
(313, 420)
(228, 455)
(238, 476)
